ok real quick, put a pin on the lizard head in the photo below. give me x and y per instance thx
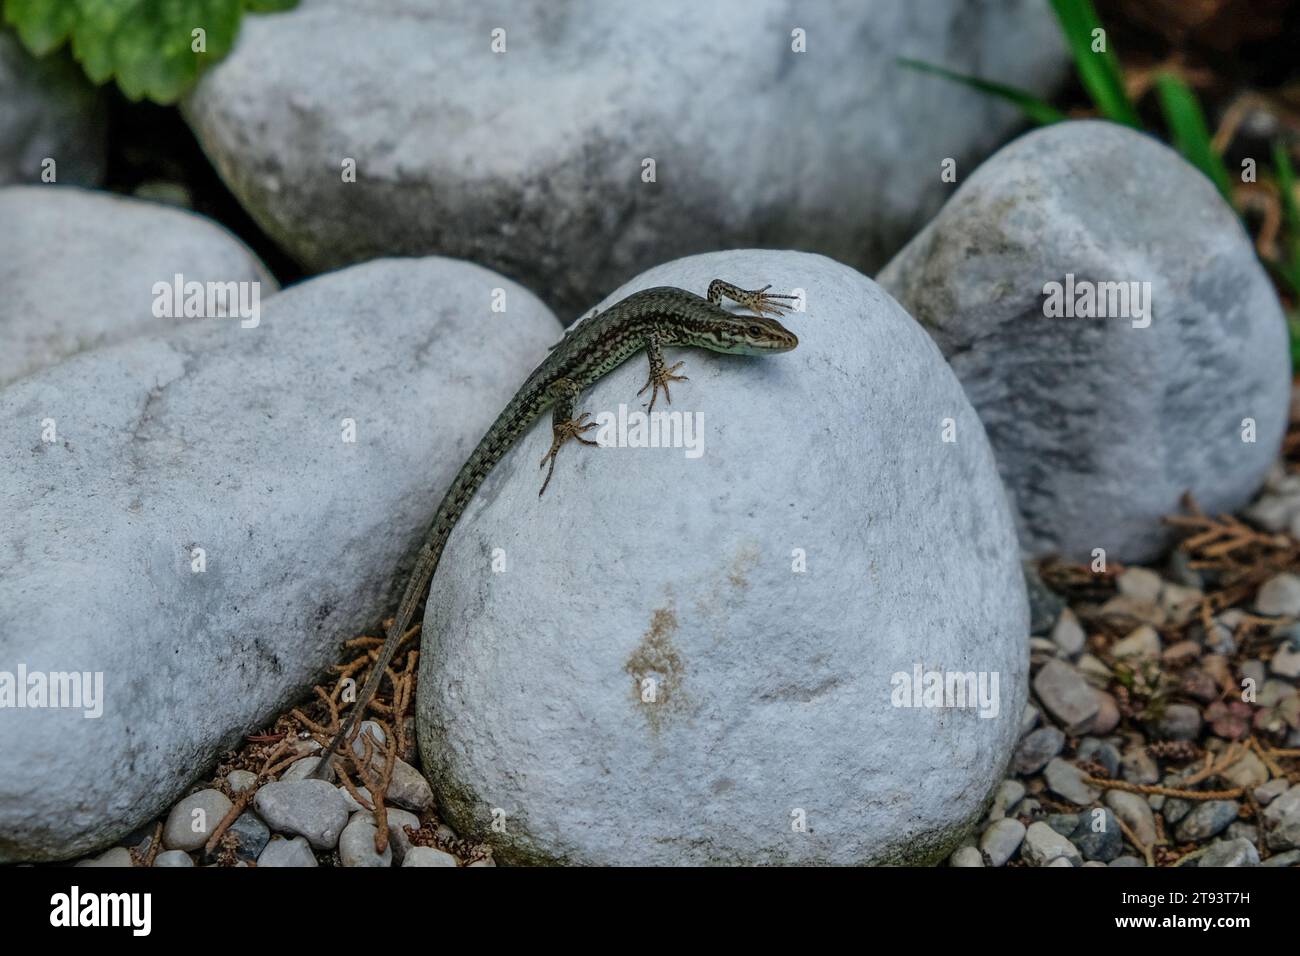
(747, 335)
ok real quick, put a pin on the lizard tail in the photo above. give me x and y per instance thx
(426, 563)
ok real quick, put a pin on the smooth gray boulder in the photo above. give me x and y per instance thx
(772, 735)
(48, 110)
(79, 268)
(530, 161)
(1100, 424)
(232, 441)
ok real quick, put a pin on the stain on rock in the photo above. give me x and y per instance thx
(657, 658)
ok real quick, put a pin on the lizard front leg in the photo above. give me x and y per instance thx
(660, 376)
(563, 425)
(758, 301)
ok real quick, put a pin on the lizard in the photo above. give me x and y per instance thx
(648, 320)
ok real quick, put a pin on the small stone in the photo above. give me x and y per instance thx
(1068, 633)
(1037, 748)
(1094, 670)
(1145, 612)
(116, 857)
(1279, 596)
(1045, 605)
(1042, 650)
(430, 856)
(1281, 820)
(1031, 808)
(398, 838)
(282, 852)
(1219, 640)
(1208, 819)
(408, 788)
(1008, 794)
(302, 769)
(1289, 858)
(1001, 840)
(1107, 717)
(1042, 845)
(1135, 812)
(1065, 693)
(173, 858)
(1140, 583)
(1178, 722)
(1062, 861)
(1063, 823)
(1098, 836)
(375, 733)
(1241, 830)
(1271, 512)
(1138, 766)
(1230, 853)
(1248, 771)
(1102, 752)
(251, 835)
(1266, 793)
(1066, 781)
(1028, 719)
(351, 801)
(1254, 670)
(1180, 603)
(445, 833)
(193, 819)
(240, 780)
(1285, 662)
(309, 808)
(1126, 861)
(1141, 642)
(357, 844)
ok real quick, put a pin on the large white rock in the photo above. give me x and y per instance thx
(773, 688)
(78, 270)
(48, 110)
(229, 440)
(1101, 424)
(530, 161)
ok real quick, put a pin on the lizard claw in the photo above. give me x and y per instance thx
(659, 378)
(573, 428)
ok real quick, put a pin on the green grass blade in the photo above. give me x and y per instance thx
(1099, 72)
(1033, 107)
(1187, 127)
(1285, 173)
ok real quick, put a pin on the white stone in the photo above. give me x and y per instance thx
(1100, 425)
(78, 270)
(281, 852)
(230, 440)
(772, 689)
(193, 819)
(531, 161)
(1043, 846)
(1279, 595)
(428, 856)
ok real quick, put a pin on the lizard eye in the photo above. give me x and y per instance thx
(755, 331)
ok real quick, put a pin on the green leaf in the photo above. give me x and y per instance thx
(1187, 127)
(41, 25)
(1099, 71)
(1290, 210)
(1033, 107)
(149, 46)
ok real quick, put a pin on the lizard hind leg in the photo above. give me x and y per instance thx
(564, 426)
(758, 301)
